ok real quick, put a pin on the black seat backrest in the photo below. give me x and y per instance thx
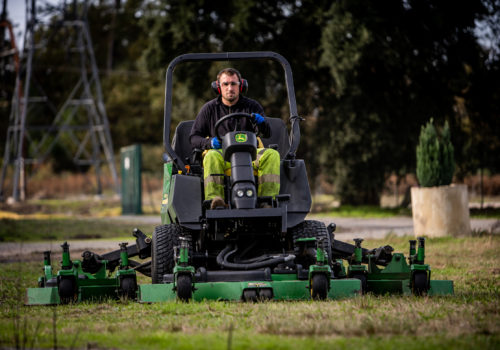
(180, 142)
(279, 136)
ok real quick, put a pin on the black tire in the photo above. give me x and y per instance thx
(420, 282)
(316, 229)
(165, 238)
(319, 287)
(128, 288)
(362, 278)
(265, 294)
(41, 282)
(66, 290)
(250, 295)
(184, 287)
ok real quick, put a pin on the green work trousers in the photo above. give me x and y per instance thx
(266, 166)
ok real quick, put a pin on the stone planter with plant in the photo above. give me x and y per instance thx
(439, 208)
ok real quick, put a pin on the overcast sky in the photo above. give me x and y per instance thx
(15, 13)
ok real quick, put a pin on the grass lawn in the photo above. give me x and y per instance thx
(66, 228)
(371, 211)
(59, 220)
(468, 320)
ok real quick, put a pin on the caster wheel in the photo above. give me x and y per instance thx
(66, 291)
(362, 278)
(420, 283)
(250, 295)
(265, 294)
(319, 287)
(41, 282)
(184, 287)
(128, 288)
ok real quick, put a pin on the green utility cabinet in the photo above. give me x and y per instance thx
(131, 179)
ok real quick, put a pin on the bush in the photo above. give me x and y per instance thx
(435, 161)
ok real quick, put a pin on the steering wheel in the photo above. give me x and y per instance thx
(232, 116)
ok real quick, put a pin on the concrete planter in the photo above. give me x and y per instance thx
(440, 211)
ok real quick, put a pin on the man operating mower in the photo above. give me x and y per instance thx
(230, 86)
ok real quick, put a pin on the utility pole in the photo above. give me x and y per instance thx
(82, 117)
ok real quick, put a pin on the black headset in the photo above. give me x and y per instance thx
(243, 82)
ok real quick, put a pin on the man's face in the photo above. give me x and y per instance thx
(230, 88)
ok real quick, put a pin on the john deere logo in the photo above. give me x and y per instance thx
(241, 137)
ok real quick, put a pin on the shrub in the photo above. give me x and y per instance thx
(435, 161)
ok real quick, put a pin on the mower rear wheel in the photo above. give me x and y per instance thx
(184, 287)
(420, 282)
(316, 229)
(128, 288)
(165, 238)
(319, 287)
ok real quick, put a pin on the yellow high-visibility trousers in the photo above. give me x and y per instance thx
(266, 166)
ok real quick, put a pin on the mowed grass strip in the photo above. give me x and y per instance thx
(468, 320)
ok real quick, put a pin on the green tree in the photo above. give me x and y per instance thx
(435, 160)
(392, 64)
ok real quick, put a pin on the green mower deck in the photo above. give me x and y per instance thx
(74, 283)
(282, 287)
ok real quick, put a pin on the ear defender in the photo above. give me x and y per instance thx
(243, 82)
(243, 86)
(216, 87)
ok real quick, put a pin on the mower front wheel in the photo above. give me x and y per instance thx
(319, 287)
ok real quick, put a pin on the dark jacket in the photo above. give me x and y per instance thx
(213, 110)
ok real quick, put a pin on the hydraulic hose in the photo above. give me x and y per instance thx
(226, 257)
(220, 257)
(256, 259)
(247, 261)
(222, 260)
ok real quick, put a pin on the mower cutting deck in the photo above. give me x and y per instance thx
(376, 271)
(91, 278)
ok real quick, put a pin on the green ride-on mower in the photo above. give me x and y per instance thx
(256, 248)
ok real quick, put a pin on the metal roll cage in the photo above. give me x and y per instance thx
(294, 136)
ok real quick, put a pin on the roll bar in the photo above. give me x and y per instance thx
(230, 56)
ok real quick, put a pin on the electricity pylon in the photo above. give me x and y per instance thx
(81, 120)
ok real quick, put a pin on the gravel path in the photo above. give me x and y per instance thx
(347, 229)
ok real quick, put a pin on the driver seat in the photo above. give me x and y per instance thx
(180, 142)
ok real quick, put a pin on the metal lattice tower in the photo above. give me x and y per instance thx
(81, 120)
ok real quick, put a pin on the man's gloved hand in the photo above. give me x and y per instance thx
(258, 118)
(215, 143)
